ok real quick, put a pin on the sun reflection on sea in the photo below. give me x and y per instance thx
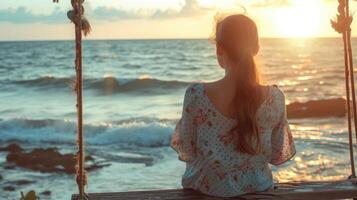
(319, 151)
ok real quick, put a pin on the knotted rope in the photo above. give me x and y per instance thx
(342, 25)
(81, 25)
(77, 16)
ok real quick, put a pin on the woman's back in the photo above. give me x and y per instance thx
(229, 156)
(204, 140)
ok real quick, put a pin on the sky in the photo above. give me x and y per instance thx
(158, 19)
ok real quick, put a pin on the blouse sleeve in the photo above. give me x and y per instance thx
(283, 148)
(183, 140)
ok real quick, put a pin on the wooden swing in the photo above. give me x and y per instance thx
(294, 190)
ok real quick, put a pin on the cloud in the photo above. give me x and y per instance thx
(108, 13)
(272, 3)
(22, 15)
(191, 8)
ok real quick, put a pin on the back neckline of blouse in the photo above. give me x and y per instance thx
(204, 92)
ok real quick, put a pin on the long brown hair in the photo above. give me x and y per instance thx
(238, 36)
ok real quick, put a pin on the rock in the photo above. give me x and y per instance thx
(21, 182)
(8, 188)
(1, 177)
(96, 166)
(46, 193)
(48, 160)
(11, 184)
(317, 109)
(89, 158)
(9, 166)
(12, 148)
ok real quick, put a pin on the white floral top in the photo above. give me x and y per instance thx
(213, 166)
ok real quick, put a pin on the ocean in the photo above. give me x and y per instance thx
(133, 92)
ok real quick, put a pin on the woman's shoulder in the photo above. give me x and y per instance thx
(194, 89)
(277, 94)
(193, 92)
(276, 90)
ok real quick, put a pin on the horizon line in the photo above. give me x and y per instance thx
(148, 39)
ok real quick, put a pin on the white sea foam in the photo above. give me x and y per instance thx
(152, 134)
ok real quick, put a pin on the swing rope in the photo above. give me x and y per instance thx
(81, 176)
(81, 25)
(342, 25)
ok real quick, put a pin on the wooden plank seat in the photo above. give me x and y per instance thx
(346, 189)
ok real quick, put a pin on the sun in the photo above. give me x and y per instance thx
(300, 19)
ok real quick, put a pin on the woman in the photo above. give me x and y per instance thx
(233, 128)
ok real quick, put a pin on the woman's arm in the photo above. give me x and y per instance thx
(282, 143)
(184, 137)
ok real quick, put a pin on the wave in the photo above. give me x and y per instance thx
(46, 81)
(106, 85)
(139, 133)
(153, 134)
(110, 85)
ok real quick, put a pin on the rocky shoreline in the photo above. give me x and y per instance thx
(42, 160)
(317, 109)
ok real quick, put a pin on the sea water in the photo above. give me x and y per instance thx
(133, 92)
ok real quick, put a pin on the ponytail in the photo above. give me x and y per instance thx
(246, 102)
(248, 94)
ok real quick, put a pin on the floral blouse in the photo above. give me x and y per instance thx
(213, 166)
